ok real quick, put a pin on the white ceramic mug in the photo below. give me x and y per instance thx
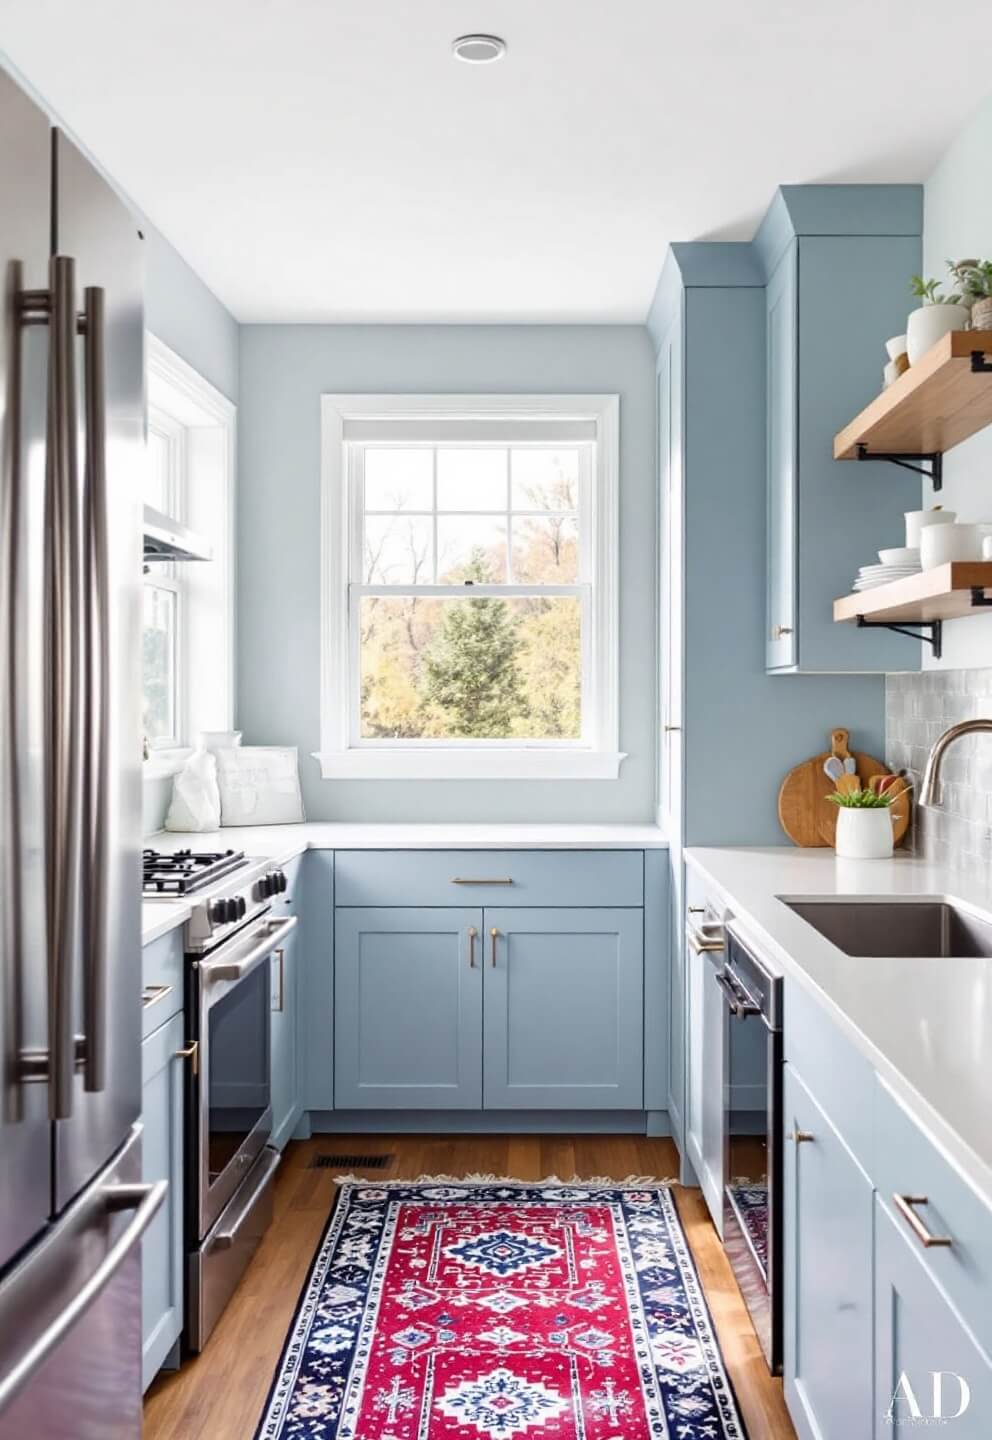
(940, 544)
(918, 520)
(864, 834)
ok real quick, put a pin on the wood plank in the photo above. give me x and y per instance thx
(943, 593)
(219, 1396)
(935, 405)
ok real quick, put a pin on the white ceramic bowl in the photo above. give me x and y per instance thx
(903, 555)
(917, 520)
(940, 544)
(896, 346)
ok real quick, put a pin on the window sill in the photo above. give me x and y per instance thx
(163, 763)
(469, 764)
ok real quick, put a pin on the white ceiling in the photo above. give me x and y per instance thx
(329, 159)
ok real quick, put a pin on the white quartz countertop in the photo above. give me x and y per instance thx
(280, 843)
(925, 1024)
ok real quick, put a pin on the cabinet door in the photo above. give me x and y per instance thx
(928, 1366)
(827, 1275)
(564, 1013)
(162, 1159)
(705, 1078)
(782, 339)
(285, 1062)
(408, 1009)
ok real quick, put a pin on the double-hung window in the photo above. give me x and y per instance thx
(165, 491)
(470, 587)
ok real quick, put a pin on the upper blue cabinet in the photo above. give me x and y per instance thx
(836, 261)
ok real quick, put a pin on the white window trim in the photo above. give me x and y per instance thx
(210, 414)
(600, 758)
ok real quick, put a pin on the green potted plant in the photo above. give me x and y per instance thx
(975, 279)
(937, 316)
(864, 823)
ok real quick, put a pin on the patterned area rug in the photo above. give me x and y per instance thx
(499, 1310)
(751, 1204)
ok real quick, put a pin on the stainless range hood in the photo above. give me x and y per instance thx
(164, 539)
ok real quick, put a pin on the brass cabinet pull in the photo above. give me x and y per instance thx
(152, 994)
(905, 1205)
(671, 729)
(472, 933)
(697, 909)
(779, 631)
(280, 953)
(471, 880)
(191, 1052)
(801, 1137)
(494, 935)
(703, 944)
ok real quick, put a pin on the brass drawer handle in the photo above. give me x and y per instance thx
(905, 1205)
(780, 631)
(703, 944)
(494, 936)
(191, 1052)
(472, 933)
(801, 1137)
(470, 880)
(280, 955)
(152, 994)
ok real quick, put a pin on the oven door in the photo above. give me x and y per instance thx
(233, 1117)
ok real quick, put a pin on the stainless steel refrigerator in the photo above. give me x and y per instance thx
(72, 1206)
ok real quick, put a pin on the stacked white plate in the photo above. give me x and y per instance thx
(907, 563)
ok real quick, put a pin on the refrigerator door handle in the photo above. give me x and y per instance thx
(97, 668)
(63, 711)
(144, 1200)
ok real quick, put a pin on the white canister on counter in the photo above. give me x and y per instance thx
(941, 544)
(917, 520)
(864, 834)
(987, 548)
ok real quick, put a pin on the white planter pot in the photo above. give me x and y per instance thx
(931, 323)
(864, 834)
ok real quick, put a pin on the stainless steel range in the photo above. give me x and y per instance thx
(231, 939)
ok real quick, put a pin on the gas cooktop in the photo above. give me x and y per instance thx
(186, 871)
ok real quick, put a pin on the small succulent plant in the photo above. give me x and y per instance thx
(929, 292)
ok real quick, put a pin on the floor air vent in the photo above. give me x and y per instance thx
(351, 1162)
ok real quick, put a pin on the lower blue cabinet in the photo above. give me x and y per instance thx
(285, 1049)
(563, 1009)
(408, 1008)
(162, 1159)
(928, 1366)
(827, 1274)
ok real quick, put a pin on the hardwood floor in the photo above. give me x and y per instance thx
(218, 1396)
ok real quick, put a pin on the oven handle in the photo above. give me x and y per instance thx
(737, 1001)
(224, 1239)
(273, 934)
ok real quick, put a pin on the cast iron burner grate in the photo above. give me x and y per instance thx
(350, 1162)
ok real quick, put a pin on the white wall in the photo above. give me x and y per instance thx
(957, 224)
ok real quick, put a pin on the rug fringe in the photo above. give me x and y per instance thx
(595, 1182)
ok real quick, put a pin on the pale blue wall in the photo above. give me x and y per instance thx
(185, 315)
(284, 371)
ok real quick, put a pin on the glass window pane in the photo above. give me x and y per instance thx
(398, 550)
(471, 479)
(471, 547)
(399, 480)
(546, 550)
(157, 471)
(545, 479)
(159, 660)
(482, 669)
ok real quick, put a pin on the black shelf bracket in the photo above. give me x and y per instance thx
(979, 599)
(979, 364)
(933, 458)
(932, 631)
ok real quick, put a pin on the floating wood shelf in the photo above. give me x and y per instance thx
(944, 593)
(936, 404)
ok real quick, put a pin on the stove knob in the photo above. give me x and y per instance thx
(282, 883)
(240, 907)
(218, 912)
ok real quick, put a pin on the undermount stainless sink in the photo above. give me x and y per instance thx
(912, 928)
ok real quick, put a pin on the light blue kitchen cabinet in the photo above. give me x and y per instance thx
(408, 1008)
(928, 1365)
(313, 893)
(162, 1159)
(284, 1020)
(706, 1073)
(563, 1009)
(827, 1274)
(837, 263)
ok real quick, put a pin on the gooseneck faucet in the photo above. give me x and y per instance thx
(931, 775)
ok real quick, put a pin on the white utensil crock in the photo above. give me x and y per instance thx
(931, 323)
(917, 520)
(864, 834)
(940, 544)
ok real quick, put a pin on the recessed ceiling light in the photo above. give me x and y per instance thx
(478, 49)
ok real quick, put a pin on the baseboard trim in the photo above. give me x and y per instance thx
(489, 1122)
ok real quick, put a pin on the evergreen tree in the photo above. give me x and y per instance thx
(471, 670)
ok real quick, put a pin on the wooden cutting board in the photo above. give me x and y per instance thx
(803, 810)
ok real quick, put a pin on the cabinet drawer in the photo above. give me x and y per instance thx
(489, 877)
(908, 1163)
(162, 975)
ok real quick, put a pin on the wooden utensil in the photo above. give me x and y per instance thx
(803, 811)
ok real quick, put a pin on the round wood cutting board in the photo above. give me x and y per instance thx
(803, 810)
